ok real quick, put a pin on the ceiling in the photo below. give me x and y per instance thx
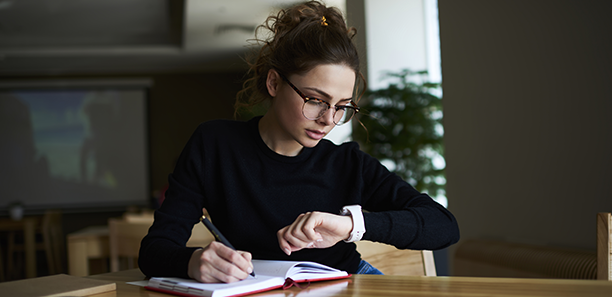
(63, 37)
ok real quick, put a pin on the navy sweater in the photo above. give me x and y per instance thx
(251, 192)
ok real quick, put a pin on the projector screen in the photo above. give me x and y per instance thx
(74, 147)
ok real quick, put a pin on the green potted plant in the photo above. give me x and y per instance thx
(403, 128)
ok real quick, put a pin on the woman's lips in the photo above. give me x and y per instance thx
(315, 134)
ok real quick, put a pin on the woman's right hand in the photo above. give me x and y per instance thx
(219, 263)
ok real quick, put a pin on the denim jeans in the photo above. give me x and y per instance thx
(366, 268)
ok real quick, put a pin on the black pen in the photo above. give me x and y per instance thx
(218, 236)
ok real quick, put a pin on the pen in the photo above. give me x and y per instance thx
(218, 236)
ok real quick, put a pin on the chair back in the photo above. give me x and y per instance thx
(498, 258)
(393, 261)
(604, 246)
(126, 233)
(124, 239)
(54, 241)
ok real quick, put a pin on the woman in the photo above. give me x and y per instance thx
(273, 186)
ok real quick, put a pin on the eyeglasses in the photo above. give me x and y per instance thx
(314, 108)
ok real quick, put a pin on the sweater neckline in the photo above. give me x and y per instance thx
(263, 147)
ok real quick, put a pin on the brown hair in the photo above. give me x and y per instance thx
(302, 37)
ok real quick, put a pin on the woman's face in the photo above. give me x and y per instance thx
(331, 83)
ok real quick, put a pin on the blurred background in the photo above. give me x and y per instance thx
(525, 87)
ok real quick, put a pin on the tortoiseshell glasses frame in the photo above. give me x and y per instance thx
(314, 108)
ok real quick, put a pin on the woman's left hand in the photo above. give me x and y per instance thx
(314, 230)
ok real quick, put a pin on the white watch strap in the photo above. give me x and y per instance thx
(358, 224)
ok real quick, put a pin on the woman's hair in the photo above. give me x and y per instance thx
(301, 37)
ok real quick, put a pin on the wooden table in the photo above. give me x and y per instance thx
(85, 244)
(385, 285)
(27, 225)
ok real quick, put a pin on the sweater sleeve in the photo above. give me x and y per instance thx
(397, 214)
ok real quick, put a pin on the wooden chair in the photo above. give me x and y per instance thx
(604, 246)
(54, 241)
(50, 239)
(125, 235)
(392, 261)
(124, 241)
(497, 258)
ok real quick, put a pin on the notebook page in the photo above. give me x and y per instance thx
(296, 270)
(188, 286)
(313, 271)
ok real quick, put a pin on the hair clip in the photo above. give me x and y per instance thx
(323, 21)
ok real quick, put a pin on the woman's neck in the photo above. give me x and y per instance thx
(276, 138)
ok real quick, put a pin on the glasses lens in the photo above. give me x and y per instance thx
(343, 115)
(314, 109)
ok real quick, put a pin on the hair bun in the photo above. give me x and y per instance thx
(298, 39)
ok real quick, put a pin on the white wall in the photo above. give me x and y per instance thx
(395, 38)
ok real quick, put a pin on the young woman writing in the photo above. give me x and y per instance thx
(273, 186)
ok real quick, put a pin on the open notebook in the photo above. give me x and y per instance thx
(270, 275)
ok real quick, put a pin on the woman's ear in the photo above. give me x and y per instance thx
(273, 82)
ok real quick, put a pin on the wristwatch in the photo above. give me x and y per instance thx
(358, 225)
